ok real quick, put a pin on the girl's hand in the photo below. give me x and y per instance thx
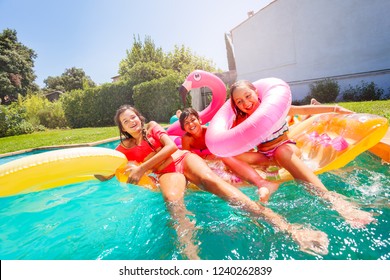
(342, 110)
(135, 173)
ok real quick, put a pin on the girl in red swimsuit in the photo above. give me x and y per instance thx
(194, 140)
(153, 149)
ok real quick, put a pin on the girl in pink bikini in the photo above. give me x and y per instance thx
(278, 147)
(153, 149)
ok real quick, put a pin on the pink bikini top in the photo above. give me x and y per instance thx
(139, 153)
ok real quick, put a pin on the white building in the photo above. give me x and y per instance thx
(303, 41)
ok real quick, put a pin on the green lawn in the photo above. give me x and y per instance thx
(56, 137)
(380, 108)
(88, 135)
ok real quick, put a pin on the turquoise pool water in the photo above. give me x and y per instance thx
(113, 221)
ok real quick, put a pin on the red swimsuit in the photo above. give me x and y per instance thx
(139, 153)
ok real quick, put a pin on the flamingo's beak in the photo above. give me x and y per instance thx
(184, 90)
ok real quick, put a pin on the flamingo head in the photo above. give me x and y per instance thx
(195, 79)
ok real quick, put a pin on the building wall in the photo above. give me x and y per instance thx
(302, 41)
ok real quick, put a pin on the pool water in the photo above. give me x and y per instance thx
(114, 221)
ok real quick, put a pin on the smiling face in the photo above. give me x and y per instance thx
(130, 122)
(245, 99)
(192, 125)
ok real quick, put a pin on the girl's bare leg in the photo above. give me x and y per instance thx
(287, 158)
(197, 171)
(249, 174)
(255, 158)
(173, 186)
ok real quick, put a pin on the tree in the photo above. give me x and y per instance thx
(145, 63)
(181, 60)
(71, 79)
(16, 67)
(141, 52)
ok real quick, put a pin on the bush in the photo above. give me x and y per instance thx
(363, 92)
(158, 99)
(325, 91)
(75, 108)
(14, 120)
(52, 116)
(38, 112)
(33, 104)
(109, 98)
(3, 121)
(387, 95)
(94, 107)
(24, 127)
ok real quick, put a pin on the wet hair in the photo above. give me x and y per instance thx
(233, 87)
(185, 114)
(125, 135)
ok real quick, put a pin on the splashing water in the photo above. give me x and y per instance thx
(110, 220)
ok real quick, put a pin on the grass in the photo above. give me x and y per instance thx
(88, 135)
(56, 137)
(380, 108)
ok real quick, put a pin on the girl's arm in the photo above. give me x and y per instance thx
(186, 142)
(168, 147)
(317, 109)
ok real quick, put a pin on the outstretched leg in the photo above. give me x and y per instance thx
(287, 158)
(197, 171)
(173, 186)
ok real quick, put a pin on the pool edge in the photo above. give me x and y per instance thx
(60, 147)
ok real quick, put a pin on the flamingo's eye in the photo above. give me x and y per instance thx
(197, 77)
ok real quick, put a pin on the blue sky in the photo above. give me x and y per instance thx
(95, 34)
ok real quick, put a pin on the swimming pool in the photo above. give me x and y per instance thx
(114, 221)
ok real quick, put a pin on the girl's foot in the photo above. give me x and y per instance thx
(264, 194)
(355, 217)
(310, 241)
(266, 190)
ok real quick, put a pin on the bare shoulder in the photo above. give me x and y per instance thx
(149, 126)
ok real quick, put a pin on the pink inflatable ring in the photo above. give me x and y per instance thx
(224, 141)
